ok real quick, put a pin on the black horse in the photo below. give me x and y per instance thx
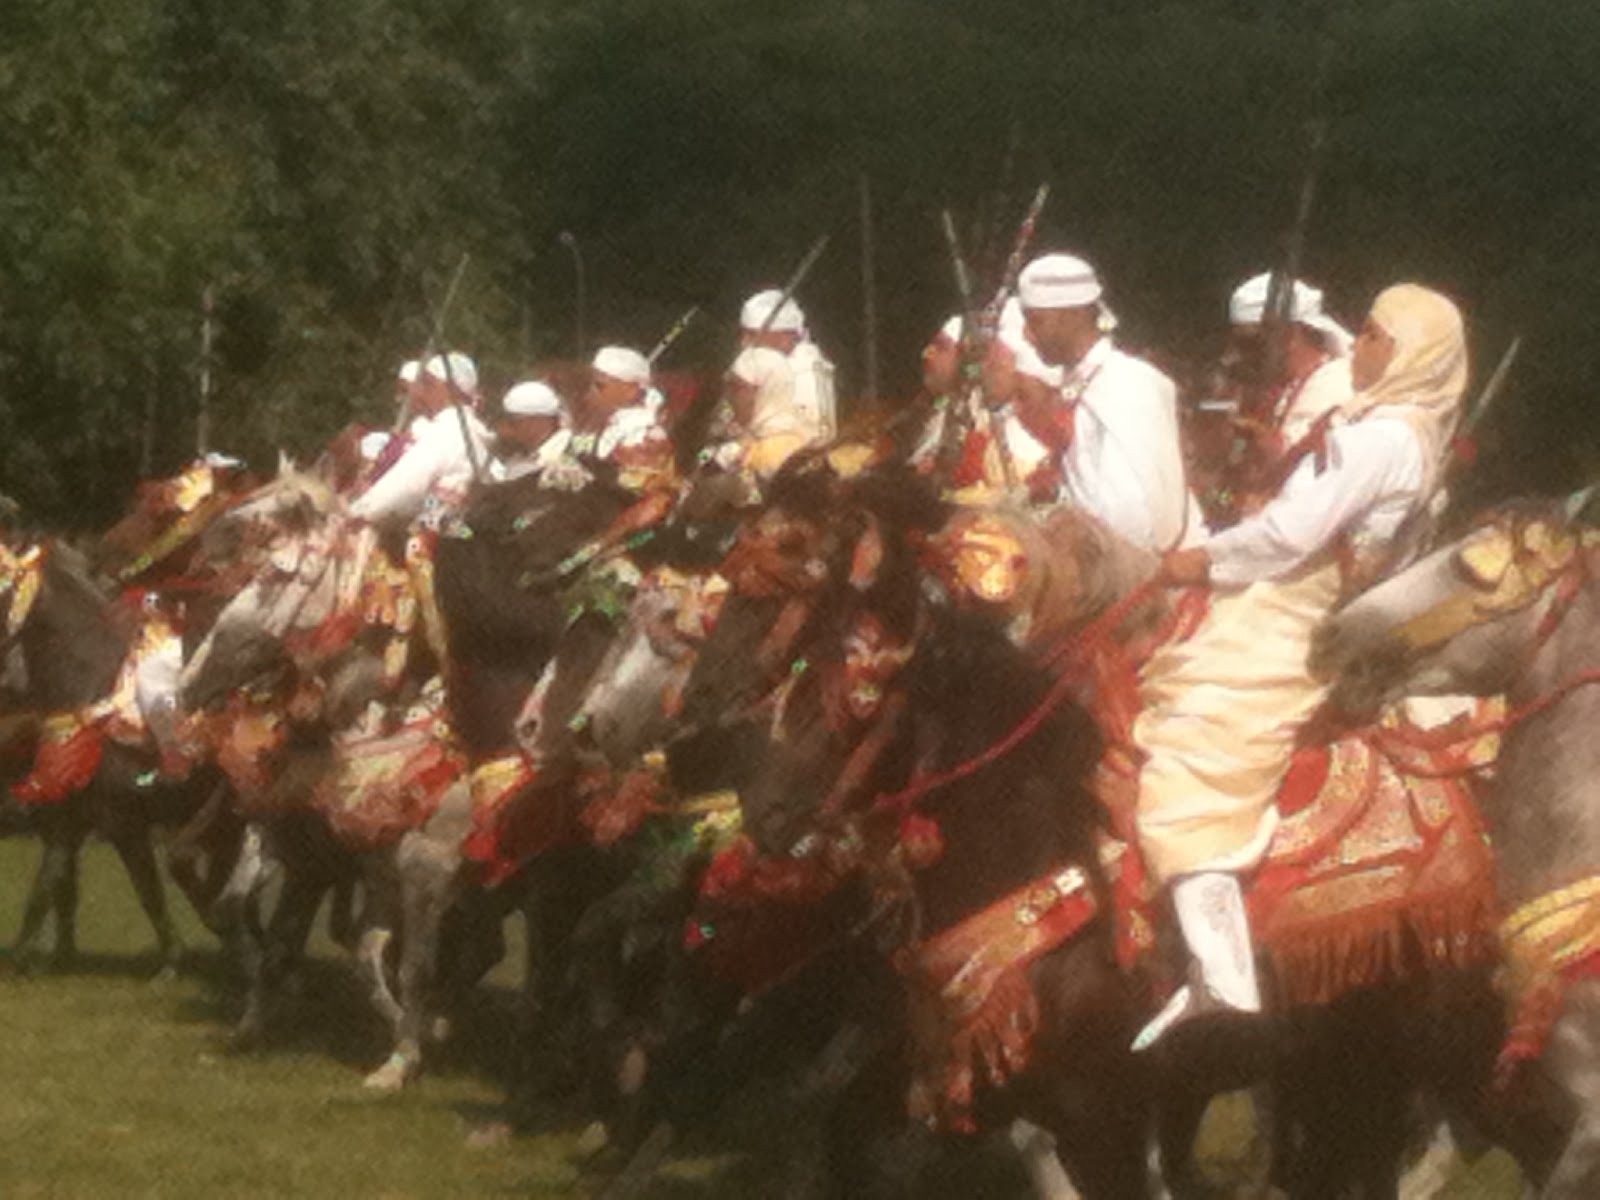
(73, 642)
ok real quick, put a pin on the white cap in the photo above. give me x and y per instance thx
(1248, 305)
(756, 311)
(409, 370)
(532, 399)
(1058, 281)
(621, 363)
(373, 444)
(218, 461)
(951, 329)
(463, 372)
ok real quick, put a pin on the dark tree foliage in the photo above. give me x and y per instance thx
(322, 168)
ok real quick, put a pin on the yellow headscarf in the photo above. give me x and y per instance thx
(1424, 381)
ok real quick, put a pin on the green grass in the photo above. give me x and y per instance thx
(115, 1085)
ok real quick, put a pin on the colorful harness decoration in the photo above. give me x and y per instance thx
(972, 1006)
(1547, 944)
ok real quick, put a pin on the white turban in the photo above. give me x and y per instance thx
(1248, 305)
(532, 399)
(462, 371)
(758, 313)
(621, 363)
(373, 444)
(1058, 281)
(409, 370)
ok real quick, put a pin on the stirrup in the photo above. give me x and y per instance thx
(1185, 1004)
(1180, 1006)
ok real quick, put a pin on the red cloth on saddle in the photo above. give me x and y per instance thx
(515, 819)
(65, 762)
(1379, 867)
(383, 786)
(1374, 873)
(972, 1005)
(758, 917)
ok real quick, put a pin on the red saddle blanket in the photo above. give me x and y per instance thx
(384, 785)
(1380, 868)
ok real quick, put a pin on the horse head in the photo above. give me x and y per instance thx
(290, 505)
(1466, 618)
(836, 525)
(66, 631)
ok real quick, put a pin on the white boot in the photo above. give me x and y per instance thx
(1211, 914)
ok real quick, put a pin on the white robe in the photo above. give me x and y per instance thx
(1125, 464)
(1327, 387)
(1370, 484)
(436, 465)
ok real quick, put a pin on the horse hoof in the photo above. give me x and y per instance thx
(486, 1137)
(441, 1030)
(166, 975)
(246, 1037)
(395, 1073)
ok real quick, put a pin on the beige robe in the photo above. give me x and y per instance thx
(1221, 714)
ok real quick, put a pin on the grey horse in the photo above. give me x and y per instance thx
(1511, 608)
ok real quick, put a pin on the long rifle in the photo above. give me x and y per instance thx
(796, 279)
(978, 330)
(461, 419)
(672, 334)
(1479, 408)
(435, 335)
(1280, 287)
(957, 414)
(869, 299)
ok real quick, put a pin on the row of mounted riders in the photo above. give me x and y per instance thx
(772, 794)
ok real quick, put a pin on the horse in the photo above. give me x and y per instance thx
(1509, 609)
(74, 643)
(1023, 819)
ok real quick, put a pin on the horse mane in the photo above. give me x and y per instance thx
(74, 642)
(1021, 816)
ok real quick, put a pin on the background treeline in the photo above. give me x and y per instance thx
(321, 167)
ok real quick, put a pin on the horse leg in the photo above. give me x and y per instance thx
(237, 912)
(290, 926)
(1573, 1060)
(1037, 1150)
(381, 917)
(201, 854)
(66, 906)
(426, 893)
(133, 847)
(342, 923)
(61, 842)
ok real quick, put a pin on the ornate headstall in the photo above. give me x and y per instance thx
(1508, 565)
(20, 577)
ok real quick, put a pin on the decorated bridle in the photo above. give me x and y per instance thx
(1509, 565)
(21, 575)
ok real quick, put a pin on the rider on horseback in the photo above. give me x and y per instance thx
(1222, 710)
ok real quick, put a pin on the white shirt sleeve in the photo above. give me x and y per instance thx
(400, 491)
(1369, 464)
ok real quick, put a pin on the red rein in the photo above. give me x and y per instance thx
(1073, 650)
